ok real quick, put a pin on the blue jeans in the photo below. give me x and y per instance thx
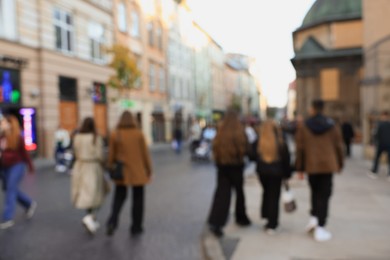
(380, 149)
(12, 177)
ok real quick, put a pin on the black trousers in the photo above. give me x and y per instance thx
(228, 178)
(137, 210)
(271, 196)
(321, 191)
(379, 150)
(347, 143)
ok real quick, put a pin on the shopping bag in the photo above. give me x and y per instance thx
(288, 198)
(174, 145)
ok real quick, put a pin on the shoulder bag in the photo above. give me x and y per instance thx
(116, 170)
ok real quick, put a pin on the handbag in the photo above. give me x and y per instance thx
(288, 199)
(116, 170)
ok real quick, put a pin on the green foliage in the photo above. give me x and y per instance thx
(124, 64)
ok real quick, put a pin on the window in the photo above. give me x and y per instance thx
(96, 39)
(162, 80)
(151, 34)
(122, 23)
(7, 19)
(68, 89)
(159, 38)
(152, 81)
(135, 31)
(63, 25)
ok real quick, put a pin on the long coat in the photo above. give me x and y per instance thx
(88, 184)
(128, 145)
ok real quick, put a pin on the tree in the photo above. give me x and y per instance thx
(127, 74)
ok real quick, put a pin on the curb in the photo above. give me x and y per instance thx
(211, 246)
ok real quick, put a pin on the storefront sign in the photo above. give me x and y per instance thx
(99, 93)
(9, 86)
(28, 116)
(13, 61)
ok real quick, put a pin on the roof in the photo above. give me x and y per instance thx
(323, 11)
(312, 49)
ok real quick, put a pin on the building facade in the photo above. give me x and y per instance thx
(328, 58)
(53, 64)
(375, 89)
(180, 65)
(140, 25)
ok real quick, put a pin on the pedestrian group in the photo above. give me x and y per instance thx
(321, 146)
(319, 153)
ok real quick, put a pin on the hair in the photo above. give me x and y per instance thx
(318, 105)
(270, 137)
(127, 120)
(385, 113)
(13, 136)
(230, 125)
(88, 127)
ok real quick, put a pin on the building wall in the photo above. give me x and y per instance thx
(376, 15)
(321, 33)
(339, 35)
(375, 90)
(347, 34)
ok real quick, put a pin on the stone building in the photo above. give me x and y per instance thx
(329, 58)
(53, 66)
(375, 90)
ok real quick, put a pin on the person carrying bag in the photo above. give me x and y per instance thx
(127, 145)
(273, 166)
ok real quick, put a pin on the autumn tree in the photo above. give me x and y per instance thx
(127, 75)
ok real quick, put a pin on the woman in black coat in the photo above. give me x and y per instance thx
(273, 165)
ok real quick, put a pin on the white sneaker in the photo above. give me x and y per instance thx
(313, 223)
(61, 168)
(31, 211)
(270, 231)
(89, 224)
(322, 235)
(6, 224)
(372, 175)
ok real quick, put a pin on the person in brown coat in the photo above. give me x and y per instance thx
(127, 144)
(319, 148)
(229, 149)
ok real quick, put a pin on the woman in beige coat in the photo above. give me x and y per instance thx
(88, 184)
(127, 145)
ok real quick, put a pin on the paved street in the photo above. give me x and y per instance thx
(359, 220)
(177, 203)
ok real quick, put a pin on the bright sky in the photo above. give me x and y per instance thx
(258, 28)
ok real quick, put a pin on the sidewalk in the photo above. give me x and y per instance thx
(359, 220)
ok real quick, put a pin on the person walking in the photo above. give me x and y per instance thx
(127, 144)
(348, 135)
(382, 140)
(320, 153)
(178, 138)
(88, 188)
(229, 149)
(62, 142)
(14, 159)
(273, 166)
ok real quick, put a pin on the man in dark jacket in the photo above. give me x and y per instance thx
(382, 139)
(319, 149)
(348, 135)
